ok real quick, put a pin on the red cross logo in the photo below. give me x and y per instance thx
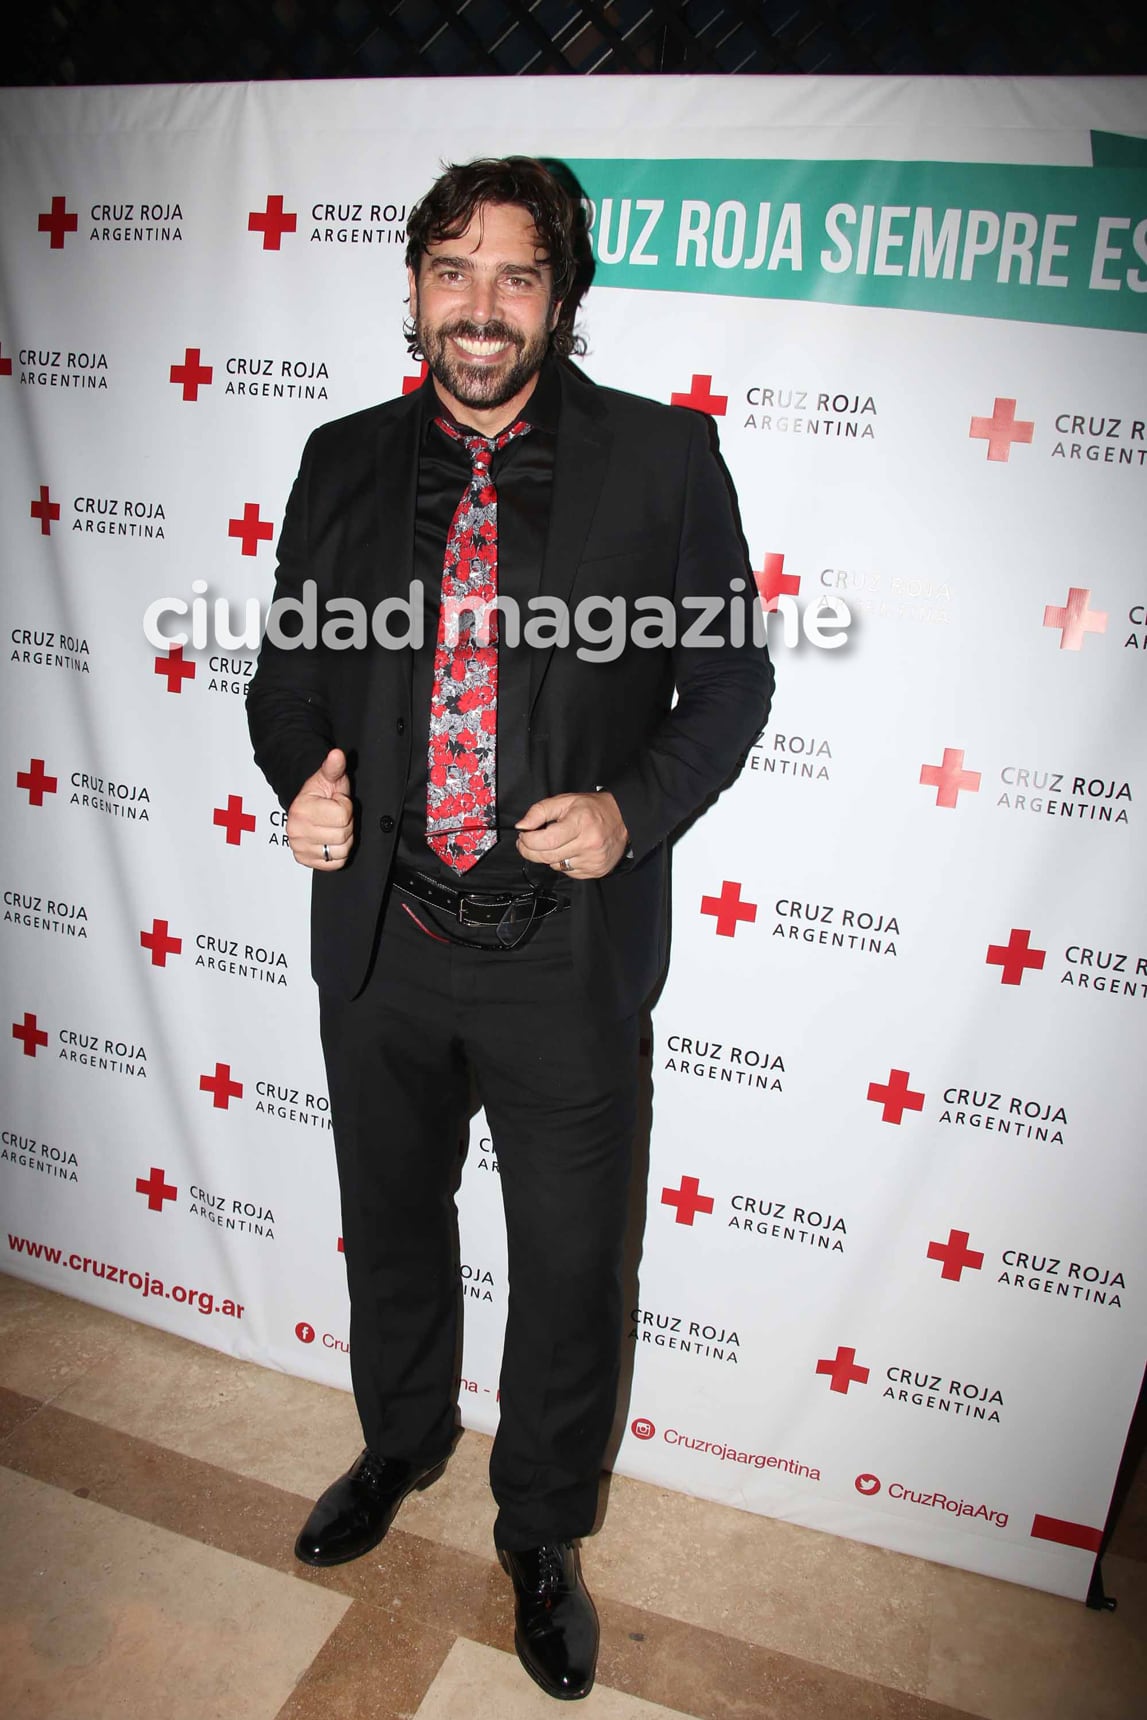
(57, 221)
(411, 384)
(156, 1189)
(1002, 429)
(176, 667)
(46, 511)
(895, 1096)
(701, 398)
(1075, 618)
(956, 1255)
(772, 582)
(30, 1033)
(688, 1200)
(949, 777)
(272, 223)
(36, 781)
(843, 1370)
(251, 529)
(160, 943)
(221, 1087)
(5, 363)
(192, 374)
(234, 820)
(1014, 956)
(729, 909)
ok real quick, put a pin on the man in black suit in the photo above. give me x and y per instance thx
(486, 816)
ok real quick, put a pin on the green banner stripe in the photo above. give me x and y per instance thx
(1061, 245)
(1112, 149)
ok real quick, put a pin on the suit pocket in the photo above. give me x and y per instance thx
(637, 544)
(631, 564)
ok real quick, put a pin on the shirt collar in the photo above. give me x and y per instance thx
(540, 411)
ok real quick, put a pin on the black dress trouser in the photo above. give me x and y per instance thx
(559, 1087)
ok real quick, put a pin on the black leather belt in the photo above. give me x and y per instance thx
(477, 907)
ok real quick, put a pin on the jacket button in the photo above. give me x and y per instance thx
(400, 725)
(386, 823)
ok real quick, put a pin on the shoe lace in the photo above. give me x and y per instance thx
(373, 1471)
(551, 1565)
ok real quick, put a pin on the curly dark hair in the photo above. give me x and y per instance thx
(551, 197)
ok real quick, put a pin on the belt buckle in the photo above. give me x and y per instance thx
(501, 899)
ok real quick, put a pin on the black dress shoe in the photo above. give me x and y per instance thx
(355, 1512)
(555, 1629)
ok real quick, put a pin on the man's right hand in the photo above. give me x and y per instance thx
(320, 819)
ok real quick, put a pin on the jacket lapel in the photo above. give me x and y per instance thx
(582, 458)
(396, 471)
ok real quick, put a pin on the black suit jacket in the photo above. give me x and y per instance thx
(640, 508)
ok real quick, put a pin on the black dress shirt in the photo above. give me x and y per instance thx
(523, 474)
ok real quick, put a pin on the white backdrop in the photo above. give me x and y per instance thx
(891, 1283)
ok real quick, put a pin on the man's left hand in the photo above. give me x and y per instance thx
(583, 835)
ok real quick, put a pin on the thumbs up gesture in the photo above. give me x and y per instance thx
(320, 819)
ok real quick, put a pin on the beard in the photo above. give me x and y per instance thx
(482, 385)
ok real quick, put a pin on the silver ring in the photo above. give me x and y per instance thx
(326, 854)
(567, 864)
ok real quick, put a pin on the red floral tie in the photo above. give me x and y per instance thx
(461, 773)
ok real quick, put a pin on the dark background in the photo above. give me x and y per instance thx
(172, 41)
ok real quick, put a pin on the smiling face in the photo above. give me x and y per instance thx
(483, 310)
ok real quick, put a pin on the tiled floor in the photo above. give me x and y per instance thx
(151, 1491)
